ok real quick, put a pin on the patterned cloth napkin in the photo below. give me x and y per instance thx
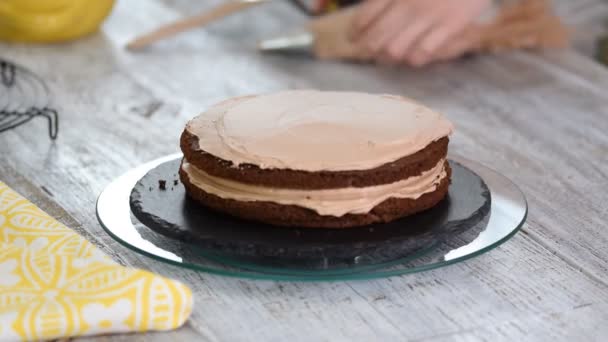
(54, 283)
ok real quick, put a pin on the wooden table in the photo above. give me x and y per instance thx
(542, 120)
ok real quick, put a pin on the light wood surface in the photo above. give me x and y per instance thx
(542, 120)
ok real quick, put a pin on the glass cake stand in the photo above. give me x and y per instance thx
(505, 216)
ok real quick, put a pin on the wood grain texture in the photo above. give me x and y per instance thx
(538, 118)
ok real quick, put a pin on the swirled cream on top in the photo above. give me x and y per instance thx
(317, 131)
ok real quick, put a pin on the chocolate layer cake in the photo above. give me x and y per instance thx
(317, 159)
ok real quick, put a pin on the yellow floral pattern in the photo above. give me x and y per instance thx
(54, 283)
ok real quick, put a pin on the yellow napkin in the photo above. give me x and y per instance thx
(54, 283)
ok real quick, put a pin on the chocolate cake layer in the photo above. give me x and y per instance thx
(409, 166)
(296, 216)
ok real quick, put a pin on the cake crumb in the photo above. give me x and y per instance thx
(175, 182)
(162, 184)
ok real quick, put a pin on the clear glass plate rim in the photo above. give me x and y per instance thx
(248, 274)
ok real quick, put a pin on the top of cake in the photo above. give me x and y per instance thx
(317, 131)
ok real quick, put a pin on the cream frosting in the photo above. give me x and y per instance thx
(317, 131)
(331, 202)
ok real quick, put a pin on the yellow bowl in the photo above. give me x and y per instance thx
(46, 21)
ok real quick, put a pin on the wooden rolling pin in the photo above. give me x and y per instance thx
(202, 19)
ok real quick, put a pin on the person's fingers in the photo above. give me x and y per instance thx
(456, 47)
(419, 58)
(402, 44)
(454, 25)
(393, 21)
(439, 36)
(421, 53)
(427, 47)
(414, 32)
(367, 13)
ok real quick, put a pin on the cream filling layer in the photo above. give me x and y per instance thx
(330, 202)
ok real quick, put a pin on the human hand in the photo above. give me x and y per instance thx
(415, 32)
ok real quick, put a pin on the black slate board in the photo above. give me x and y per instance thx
(172, 213)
